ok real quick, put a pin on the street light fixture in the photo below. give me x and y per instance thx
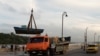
(64, 14)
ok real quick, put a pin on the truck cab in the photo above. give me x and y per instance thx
(38, 44)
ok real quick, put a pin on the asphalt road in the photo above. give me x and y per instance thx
(80, 52)
(75, 52)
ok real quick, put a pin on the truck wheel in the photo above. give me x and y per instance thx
(61, 52)
(30, 54)
(46, 53)
(52, 51)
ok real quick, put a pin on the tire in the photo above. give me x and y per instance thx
(61, 52)
(30, 54)
(95, 51)
(46, 53)
(52, 52)
(25, 52)
(87, 52)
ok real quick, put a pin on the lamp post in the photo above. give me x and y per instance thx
(85, 39)
(86, 36)
(94, 37)
(98, 40)
(64, 14)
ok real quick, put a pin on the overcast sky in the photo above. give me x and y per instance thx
(48, 16)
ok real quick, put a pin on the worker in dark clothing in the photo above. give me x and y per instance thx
(11, 48)
(23, 48)
(52, 49)
(16, 47)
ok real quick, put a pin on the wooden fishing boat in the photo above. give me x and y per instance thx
(29, 29)
(20, 30)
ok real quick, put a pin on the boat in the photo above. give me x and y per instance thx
(22, 30)
(28, 29)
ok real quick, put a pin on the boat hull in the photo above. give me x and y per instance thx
(20, 30)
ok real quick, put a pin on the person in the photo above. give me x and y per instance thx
(11, 48)
(16, 48)
(23, 48)
(52, 49)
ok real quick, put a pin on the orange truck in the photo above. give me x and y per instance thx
(45, 45)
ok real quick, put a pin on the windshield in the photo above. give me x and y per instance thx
(37, 39)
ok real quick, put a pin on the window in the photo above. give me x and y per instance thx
(36, 39)
(91, 45)
(46, 39)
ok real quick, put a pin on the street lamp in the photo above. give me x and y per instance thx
(86, 35)
(94, 37)
(98, 40)
(85, 39)
(64, 14)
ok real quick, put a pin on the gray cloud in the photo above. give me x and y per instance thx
(7, 7)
